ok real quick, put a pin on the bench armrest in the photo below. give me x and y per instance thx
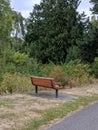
(58, 85)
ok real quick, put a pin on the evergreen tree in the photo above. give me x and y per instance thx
(95, 6)
(89, 45)
(53, 27)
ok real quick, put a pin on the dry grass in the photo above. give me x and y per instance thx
(17, 110)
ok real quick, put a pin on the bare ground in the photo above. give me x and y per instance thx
(17, 109)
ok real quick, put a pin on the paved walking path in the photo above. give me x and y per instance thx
(86, 119)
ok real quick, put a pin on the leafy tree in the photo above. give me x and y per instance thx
(5, 29)
(10, 21)
(18, 25)
(5, 20)
(53, 27)
(18, 31)
(94, 21)
(95, 6)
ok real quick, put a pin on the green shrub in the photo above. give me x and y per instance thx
(71, 74)
(15, 83)
(46, 69)
(58, 74)
(20, 58)
(10, 67)
(95, 67)
(77, 73)
(35, 67)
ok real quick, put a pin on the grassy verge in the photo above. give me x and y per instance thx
(59, 112)
(7, 103)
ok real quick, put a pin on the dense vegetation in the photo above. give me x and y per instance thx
(56, 41)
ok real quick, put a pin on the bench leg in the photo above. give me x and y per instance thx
(56, 92)
(36, 89)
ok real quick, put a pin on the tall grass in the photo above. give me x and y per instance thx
(16, 82)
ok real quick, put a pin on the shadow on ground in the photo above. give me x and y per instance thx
(51, 95)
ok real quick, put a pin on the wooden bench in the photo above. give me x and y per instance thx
(45, 82)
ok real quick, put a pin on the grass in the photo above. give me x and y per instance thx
(6, 103)
(59, 112)
(47, 115)
(8, 116)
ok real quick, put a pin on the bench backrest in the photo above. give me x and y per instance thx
(42, 81)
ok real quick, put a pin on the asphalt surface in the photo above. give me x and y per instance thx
(86, 119)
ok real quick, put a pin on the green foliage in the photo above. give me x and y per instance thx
(50, 34)
(77, 73)
(15, 61)
(18, 25)
(5, 20)
(10, 67)
(73, 53)
(50, 37)
(59, 75)
(94, 21)
(90, 40)
(20, 58)
(95, 67)
(71, 74)
(95, 6)
(15, 83)
(46, 69)
(10, 21)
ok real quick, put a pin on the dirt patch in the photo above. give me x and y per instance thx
(17, 109)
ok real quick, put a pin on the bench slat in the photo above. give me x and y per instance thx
(43, 82)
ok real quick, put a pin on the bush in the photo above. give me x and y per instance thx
(95, 67)
(58, 74)
(77, 73)
(15, 83)
(10, 67)
(71, 74)
(20, 58)
(46, 69)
